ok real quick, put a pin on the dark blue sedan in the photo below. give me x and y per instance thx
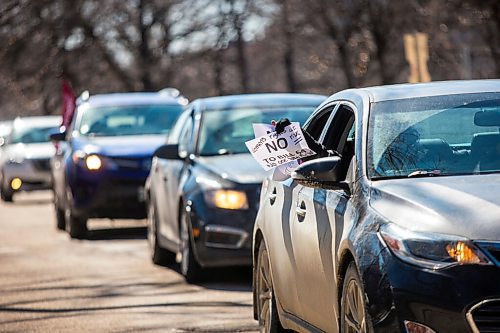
(203, 190)
(105, 155)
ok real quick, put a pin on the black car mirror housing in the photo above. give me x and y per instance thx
(320, 173)
(168, 152)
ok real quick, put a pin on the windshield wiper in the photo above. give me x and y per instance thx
(424, 173)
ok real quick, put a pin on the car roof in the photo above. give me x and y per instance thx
(37, 121)
(135, 98)
(415, 90)
(262, 100)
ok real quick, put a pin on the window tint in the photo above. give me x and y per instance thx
(185, 138)
(129, 120)
(452, 134)
(321, 120)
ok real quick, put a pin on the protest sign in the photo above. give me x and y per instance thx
(272, 150)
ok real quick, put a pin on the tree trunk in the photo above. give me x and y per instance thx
(144, 56)
(288, 55)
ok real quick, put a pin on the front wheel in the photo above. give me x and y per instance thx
(5, 194)
(190, 268)
(159, 255)
(267, 312)
(76, 226)
(353, 315)
(60, 215)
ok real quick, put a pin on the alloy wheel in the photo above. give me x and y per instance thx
(354, 316)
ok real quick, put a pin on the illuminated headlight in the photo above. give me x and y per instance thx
(429, 250)
(93, 162)
(227, 199)
(16, 184)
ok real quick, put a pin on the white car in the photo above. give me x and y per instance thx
(26, 153)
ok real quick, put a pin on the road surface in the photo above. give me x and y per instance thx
(50, 283)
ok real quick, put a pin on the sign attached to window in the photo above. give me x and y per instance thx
(272, 150)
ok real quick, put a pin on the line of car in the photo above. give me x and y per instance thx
(397, 233)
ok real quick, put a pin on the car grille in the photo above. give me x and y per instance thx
(42, 164)
(485, 317)
(132, 164)
(492, 250)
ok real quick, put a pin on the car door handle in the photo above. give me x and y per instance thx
(272, 196)
(300, 210)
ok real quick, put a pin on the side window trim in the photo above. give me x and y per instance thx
(311, 125)
(328, 123)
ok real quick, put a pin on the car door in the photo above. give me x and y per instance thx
(316, 230)
(281, 196)
(171, 176)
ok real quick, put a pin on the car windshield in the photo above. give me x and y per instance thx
(28, 134)
(129, 120)
(434, 136)
(226, 131)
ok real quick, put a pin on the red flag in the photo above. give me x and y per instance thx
(69, 104)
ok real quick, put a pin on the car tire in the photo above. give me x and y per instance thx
(60, 219)
(354, 316)
(190, 268)
(159, 255)
(6, 195)
(267, 311)
(76, 226)
(60, 216)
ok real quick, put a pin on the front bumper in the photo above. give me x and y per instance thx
(224, 235)
(108, 194)
(34, 174)
(457, 299)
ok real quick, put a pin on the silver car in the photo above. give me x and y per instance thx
(401, 232)
(26, 153)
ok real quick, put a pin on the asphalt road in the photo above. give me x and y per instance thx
(50, 283)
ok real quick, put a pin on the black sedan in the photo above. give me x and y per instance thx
(203, 189)
(399, 234)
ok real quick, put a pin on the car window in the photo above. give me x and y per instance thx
(320, 122)
(452, 134)
(31, 134)
(226, 131)
(185, 137)
(129, 120)
(178, 127)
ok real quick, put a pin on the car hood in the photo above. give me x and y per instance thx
(239, 168)
(22, 151)
(467, 206)
(136, 145)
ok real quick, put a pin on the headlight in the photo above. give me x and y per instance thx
(93, 162)
(227, 199)
(429, 250)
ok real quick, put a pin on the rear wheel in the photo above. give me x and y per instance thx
(159, 255)
(353, 315)
(190, 268)
(267, 312)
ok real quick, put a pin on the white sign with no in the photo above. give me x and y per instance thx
(272, 150)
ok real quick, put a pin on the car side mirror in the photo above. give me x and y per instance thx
(168, 152)
(320, 173)
(57, 136)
